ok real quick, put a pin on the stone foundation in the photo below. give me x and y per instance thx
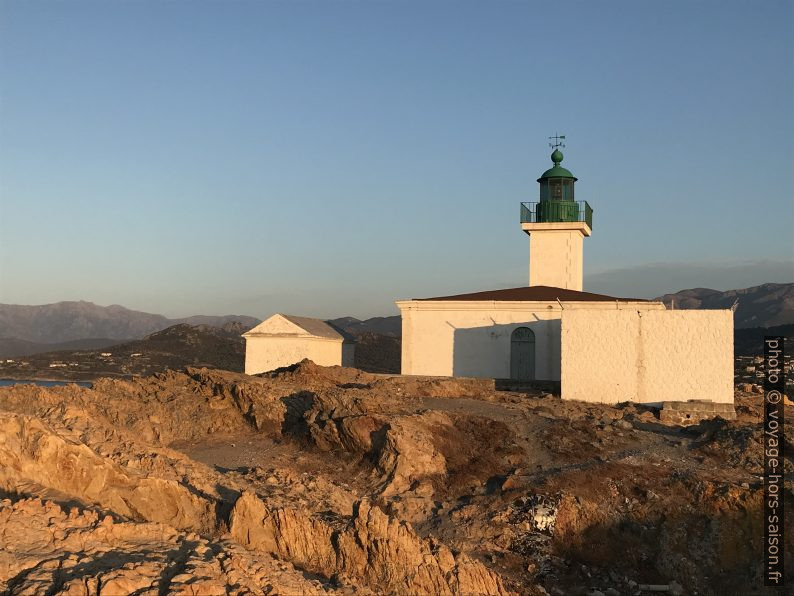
(552, 387)
(693, 411)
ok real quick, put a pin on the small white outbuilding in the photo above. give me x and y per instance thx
(282, 340)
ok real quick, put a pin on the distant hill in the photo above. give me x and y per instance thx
(190, 345)
(389, 326)
(377, 353)
(244, 321)
(378, 342)
(27, 330)
(750, 342)
(12, 347)
(175, 348)
(67, 321)
(767, 305)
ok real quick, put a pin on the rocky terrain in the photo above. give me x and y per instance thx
(330, 480)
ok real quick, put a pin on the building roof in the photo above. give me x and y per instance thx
(306, 325)
(535, 294)
(319, 327)
(557, 171)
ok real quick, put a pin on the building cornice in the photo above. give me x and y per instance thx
(526, 305)
(557, 226)
(295, 336)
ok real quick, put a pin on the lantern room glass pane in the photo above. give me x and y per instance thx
(556, 189)
(567, 193)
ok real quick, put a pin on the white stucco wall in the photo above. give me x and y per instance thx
(472, 338)
(555, 259)
(647, 357)
(556, 253)
(264, 353)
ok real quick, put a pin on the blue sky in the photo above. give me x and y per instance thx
(326, 158)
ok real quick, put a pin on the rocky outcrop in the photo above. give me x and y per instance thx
(34, 455)
(48, 549)
(385, 553)
(400, 446)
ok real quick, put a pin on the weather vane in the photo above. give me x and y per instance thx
(558, 141)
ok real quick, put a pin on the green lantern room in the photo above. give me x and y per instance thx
(557, 200)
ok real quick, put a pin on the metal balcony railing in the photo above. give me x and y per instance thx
(557, 211)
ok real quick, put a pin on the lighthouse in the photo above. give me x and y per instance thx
(553, 336)
(557, 225)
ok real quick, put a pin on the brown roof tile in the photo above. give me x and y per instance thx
(535, 293)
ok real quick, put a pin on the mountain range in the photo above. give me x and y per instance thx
(75, 325)
(766, 305)
(80, 325)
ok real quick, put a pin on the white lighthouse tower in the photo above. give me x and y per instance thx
(557, 225)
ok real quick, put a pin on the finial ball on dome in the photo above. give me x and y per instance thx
(556, 157)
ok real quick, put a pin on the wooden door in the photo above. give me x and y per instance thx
(522, 354)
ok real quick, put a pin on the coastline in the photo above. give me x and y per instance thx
(52, 379)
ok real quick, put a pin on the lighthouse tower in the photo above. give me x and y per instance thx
(557, 225)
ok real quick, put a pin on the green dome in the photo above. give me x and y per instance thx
(557, 171)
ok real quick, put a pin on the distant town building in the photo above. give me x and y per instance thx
(599, 348)
(282, 340)
(106, 354)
